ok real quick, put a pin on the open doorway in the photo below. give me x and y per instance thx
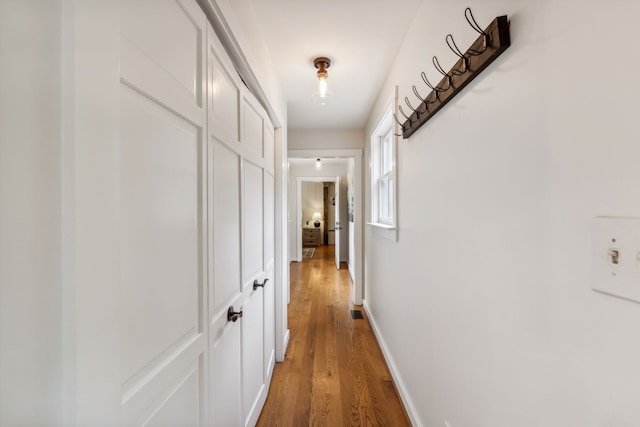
(321, 215)
(346, 164)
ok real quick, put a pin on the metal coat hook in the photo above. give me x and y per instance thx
(487, 37)
(395, 117)
(406, 100)
(438, 67)
(436, 89)
(454, 48)
(425, 99)
(405, 116)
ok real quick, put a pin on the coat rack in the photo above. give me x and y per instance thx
(483, 51)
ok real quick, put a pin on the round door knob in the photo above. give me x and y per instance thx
(233, 315)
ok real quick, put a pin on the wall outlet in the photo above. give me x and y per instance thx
(615, 257)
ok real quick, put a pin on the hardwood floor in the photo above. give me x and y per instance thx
(334, 373)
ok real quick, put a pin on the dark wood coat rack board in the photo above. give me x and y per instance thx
(483, 51)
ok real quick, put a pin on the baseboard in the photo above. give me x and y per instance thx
(270, 367)
(287, 336)
(395, 374)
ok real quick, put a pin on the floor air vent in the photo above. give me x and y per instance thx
(356, 314)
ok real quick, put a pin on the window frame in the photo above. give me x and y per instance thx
(384, 208)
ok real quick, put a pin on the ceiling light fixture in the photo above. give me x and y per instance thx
(318, 163)
(322, 96)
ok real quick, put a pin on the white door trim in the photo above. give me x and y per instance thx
(356, 155)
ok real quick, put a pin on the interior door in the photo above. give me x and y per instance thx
(163, 351)
(338, 227)
(225, 234)
(241, 211)
(258, 253)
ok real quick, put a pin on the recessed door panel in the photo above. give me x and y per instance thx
(170, 37)
(253, 220)
(225, 230)
(181, 407)
(253, 351)
(160, 156)
(226, 379)
(224, 98)
(269, 323)
(269, 223)
(252, 129)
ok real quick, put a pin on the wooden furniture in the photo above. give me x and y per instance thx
(311, 237)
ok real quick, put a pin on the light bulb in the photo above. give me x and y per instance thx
(321, 93)
(322, 87)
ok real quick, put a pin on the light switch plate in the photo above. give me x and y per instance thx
(616, 236)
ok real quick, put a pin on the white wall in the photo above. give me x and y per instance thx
(30, 213)
(313, 139)
(59, 83)
(484, 304)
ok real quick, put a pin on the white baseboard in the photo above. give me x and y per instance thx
(402, 390)
(287, 336)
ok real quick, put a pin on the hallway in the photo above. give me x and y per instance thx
(334, 373)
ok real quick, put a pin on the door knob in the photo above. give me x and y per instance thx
(233, 316)
(257, 285)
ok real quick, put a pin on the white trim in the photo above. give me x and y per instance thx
(281, 241)
(395, 374)
(358, 219)
(384, 129)
(381, 225)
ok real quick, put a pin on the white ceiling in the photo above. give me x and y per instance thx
(361, 37)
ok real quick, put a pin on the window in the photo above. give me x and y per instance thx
(383, 174)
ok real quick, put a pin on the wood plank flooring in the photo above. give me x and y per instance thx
(334, 373)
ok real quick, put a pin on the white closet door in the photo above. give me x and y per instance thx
(225, 236)
(162, 199)
(240, 151)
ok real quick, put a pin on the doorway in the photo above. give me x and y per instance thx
(317, 219)
(353, 210)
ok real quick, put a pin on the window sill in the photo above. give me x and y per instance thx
(382, 226)
(389, 232)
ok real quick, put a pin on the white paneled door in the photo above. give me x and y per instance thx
(241, 171)
(196, 201)
(163, 341)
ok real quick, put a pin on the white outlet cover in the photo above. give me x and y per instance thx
(621, 234)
